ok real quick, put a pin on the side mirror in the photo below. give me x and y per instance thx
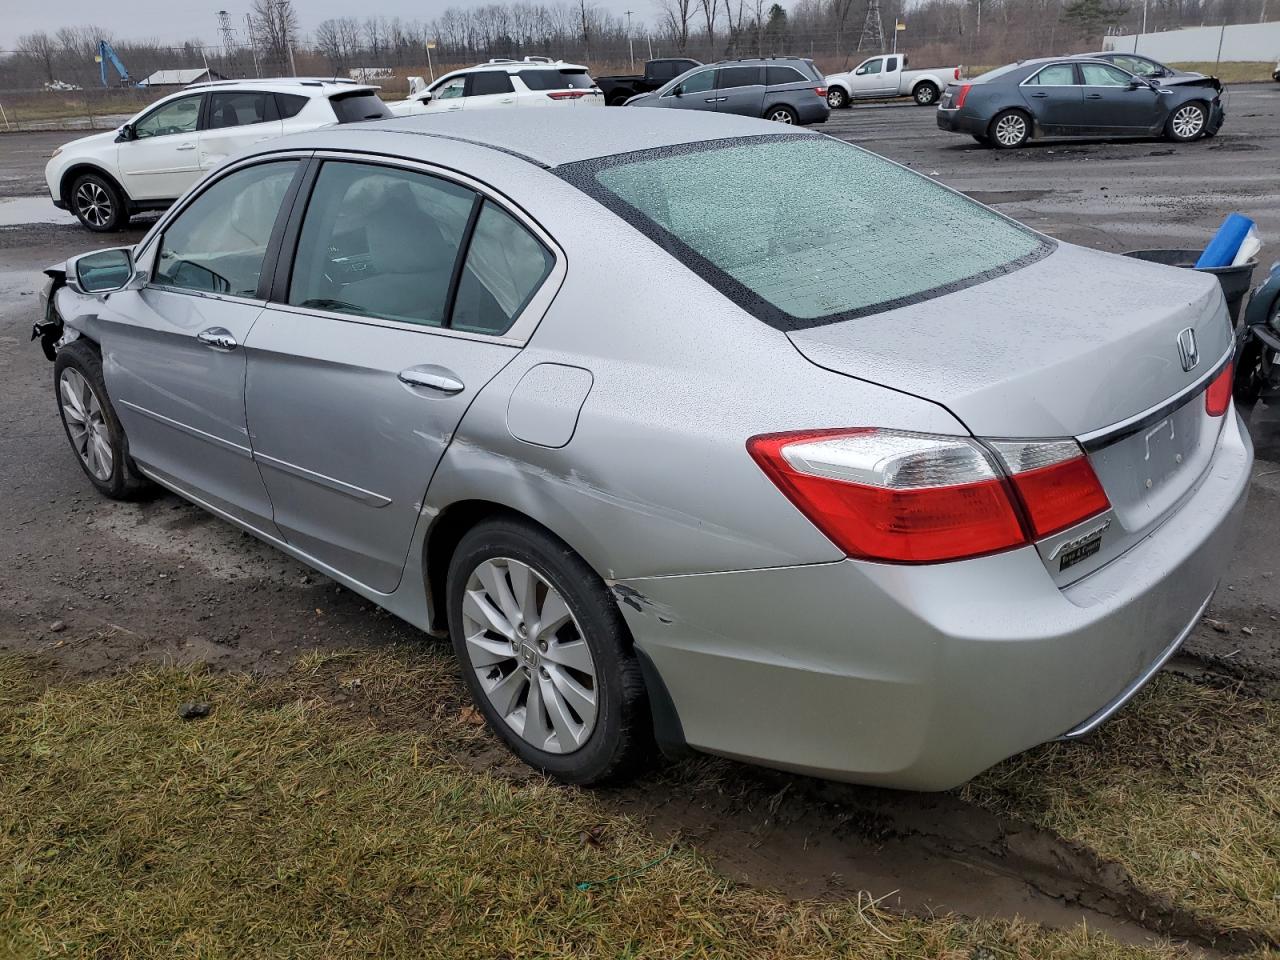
(1137, 83)
(104, 271)
(426, 98)
(126, 133)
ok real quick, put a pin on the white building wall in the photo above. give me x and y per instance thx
(1240, 41)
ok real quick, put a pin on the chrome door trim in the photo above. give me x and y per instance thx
(189, 430)
(368, 497)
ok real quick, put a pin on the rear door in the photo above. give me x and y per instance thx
(489, 88)
(1111, 105)
(406, 295)
(163, 159)
(173, 352)
(234, 121)
(1056, 98)
(740, 90)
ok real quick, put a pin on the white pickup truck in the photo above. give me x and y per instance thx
(878, 78)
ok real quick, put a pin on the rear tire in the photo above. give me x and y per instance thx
(590, 720)
(1187, 122)
(91, 425)
(782, 114)
(925, 93)
(1009, 129)
(98, 204)
(837, 99)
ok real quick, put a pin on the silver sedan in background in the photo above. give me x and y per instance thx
(673, 445)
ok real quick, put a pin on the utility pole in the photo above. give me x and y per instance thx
(631, 44)
(227, 34)
(253, 44)
(873, 27)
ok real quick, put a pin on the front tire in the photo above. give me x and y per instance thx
(1009, 129)
(91, 425)
(782, 114)
(925, 94)
(1187, 122)
(546, 654)
(98, 204)
(837, 99)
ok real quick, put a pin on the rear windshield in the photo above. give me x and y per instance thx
(752, 218)
(557, 79)
(352, 107)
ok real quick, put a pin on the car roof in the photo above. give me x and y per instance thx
(512, 66)
(308, 86)
(548, 138)
(765, 60)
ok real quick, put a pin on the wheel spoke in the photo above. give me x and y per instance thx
(495, 584)
(71, 405)
(102, 453)
(553, 615)
(505, 692)
(477, 606)
(534, 730)
(568, 733)
(575, 655)
(582, 700)
(524, 589)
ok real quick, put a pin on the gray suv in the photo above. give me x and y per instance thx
(785, 89)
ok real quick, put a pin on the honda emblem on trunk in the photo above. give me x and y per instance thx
(1188, 350)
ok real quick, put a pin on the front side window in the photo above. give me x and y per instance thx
(1057, 75)
(217, 244)
(451, 90)
(1101, 75)
(380, 242)
(871, 66)
(505, 266)
(698, 83)
(239, 108)
(743, 215)
(489, 82)
(738, 77)
(1139, 66)
(176, 116)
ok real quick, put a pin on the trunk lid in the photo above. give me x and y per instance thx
(1078, 344)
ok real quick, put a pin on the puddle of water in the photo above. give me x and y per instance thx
(20, 211)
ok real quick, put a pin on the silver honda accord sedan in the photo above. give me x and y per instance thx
(677, 447)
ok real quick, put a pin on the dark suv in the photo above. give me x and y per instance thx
(786, 89)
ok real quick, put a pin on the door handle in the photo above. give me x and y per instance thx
(185, 146)
(507, 100)
(433, 378)
(1040, 95)
(217, 338)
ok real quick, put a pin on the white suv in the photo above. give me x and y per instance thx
(531, 82)
(150, 161)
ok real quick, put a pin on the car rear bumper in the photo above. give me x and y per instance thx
(923, 676)
(812, 110)
(957, 121)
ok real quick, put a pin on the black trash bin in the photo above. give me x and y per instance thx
(1235, 281)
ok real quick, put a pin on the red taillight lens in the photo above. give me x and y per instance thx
(895, 497)
(821, 91)
(956, 75)
(961, 94)
(1217, 398)
(567, 94)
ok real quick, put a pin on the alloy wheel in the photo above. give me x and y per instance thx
(93, 203)
(781, 116)
(924, 95)
(835, 99)
(85, 424)
(530, 656)
(1011, 130)
(1188, 122)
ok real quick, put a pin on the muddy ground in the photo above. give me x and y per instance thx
(95, 587)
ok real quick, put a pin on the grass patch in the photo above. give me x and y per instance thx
(290, 822)
(1248, 71)
(1182, 788)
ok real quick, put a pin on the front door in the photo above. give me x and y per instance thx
(446, 97)
(234, 121)
(740, 90)
(360, 376)
(173, 352)
(695, 92)
(163, 159)
(1111, 105)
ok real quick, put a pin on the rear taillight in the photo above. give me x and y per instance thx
(956, 74)
(568, 94)
(916, 498)
(821, 91)
(961, 94)
(1055, 482)
(1217, 398)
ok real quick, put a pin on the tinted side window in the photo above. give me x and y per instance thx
(380, 242)
(776, 75)
(505, 266)
(488, 82)
(1056, 75)
(352, 107)
(239, 108)
(177, 116)
(664, 71)
(289, 104)
(738, 77)
(542, 79)
(891, 64)
(217, 244)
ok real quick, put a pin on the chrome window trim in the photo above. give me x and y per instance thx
(522, 327)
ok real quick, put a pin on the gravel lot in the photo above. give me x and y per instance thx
(96, 587)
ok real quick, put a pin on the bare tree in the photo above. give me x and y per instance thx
(41, 49)
(275, 30)
(675, 16)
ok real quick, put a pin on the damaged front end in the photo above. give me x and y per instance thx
(48, 329)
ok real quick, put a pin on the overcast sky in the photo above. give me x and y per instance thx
(172, 21)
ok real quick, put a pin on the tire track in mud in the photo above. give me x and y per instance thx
(919, 854)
